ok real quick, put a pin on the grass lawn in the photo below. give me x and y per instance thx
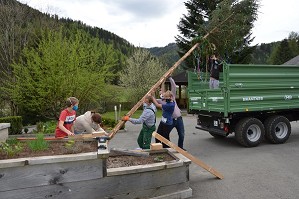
(111, 115)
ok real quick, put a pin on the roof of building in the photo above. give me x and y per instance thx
(180, 78)
(294, 61)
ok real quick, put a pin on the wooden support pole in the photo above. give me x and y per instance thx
(188, 155)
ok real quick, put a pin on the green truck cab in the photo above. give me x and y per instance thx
(253, 102)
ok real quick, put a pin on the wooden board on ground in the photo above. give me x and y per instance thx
(188, 155)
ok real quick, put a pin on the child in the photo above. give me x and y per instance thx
(67, 117)
(148, 119)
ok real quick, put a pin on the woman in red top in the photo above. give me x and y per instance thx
(67, 117)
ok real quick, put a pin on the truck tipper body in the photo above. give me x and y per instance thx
(253, 102)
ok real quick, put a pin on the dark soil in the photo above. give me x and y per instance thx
(60, 148)
(55, 148)
(125, 161)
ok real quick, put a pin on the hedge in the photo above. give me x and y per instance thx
(15, 124)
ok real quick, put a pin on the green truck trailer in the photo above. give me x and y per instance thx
(253, 102)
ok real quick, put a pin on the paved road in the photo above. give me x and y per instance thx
(264, 172)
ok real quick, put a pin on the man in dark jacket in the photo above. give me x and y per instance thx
(215, 68)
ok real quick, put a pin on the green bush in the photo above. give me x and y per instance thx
(11, 147)
(109, 122)
(39, 144)
(15, 124)
(46, 127)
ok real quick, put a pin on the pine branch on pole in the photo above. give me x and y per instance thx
(162, 79)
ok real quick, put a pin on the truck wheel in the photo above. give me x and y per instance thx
(249, 132)
(217, 136)
(278, 129)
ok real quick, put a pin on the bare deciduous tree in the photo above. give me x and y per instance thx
(142, 72)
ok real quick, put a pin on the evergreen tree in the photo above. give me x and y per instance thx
(233, 21)
(281, 53)
(294, 43)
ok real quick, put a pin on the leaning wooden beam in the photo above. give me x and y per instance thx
(162, 79)
(188, 155)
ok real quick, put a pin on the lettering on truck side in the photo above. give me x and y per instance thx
(254, 98)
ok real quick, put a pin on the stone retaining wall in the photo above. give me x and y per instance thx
(4, 131)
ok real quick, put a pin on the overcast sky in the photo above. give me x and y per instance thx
(153, 23)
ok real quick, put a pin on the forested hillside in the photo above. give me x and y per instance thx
(44, 59)
(265, 53)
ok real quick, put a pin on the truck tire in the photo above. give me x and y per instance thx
(278, 129)
(217, 136)
(250, 132)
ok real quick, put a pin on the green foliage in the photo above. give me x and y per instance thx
(72, 146)
(46, 127)
(281, 53)
(12, 141)
(11, 148)
(285, 50)
(168, 54)
(262, 53)
(293, 41)
(69, 145)
(60, 67)
(39, 144)
(108, 122)
(231, 22)
(15, 124)
(142, 72)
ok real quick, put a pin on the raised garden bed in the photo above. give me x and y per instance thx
(92, 175)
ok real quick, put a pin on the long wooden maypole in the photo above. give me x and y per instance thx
(162, 79)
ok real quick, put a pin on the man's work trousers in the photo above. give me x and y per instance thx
(145, 136)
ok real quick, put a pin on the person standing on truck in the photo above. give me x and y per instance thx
(166, 122)
(148, 121)
(215, 68)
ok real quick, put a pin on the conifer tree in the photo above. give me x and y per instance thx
(281, 53)
(233, 21)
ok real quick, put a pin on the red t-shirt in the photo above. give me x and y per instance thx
(68, 119)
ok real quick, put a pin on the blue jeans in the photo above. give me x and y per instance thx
(179, 125)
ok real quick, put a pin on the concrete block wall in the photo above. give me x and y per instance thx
(4, 131)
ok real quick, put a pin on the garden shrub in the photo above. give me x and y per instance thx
(15, 124)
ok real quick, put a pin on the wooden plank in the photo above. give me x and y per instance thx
(188, 155)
